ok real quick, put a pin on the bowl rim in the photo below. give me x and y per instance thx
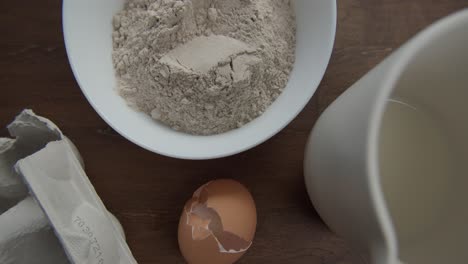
(229, 152)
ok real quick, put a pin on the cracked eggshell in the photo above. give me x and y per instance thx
(217, 224)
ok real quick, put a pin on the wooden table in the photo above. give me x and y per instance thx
(147, 191)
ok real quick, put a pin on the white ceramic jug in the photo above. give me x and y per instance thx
(386, 165)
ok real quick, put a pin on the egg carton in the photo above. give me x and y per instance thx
(49, 211)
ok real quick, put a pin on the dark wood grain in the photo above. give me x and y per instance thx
(147, 191)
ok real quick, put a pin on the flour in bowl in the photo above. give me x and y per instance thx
(203, 66)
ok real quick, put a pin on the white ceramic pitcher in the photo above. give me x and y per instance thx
(386, 165)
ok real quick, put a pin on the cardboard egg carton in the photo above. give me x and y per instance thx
(49, 211)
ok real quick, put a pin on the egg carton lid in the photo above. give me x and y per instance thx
(58, 182)
(29, 133)
(52, 168)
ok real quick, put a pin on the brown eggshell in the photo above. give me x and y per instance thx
(233, 206)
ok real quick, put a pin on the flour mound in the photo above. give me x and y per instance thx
(203, 66)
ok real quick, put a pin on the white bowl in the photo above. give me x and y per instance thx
(87, 31)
